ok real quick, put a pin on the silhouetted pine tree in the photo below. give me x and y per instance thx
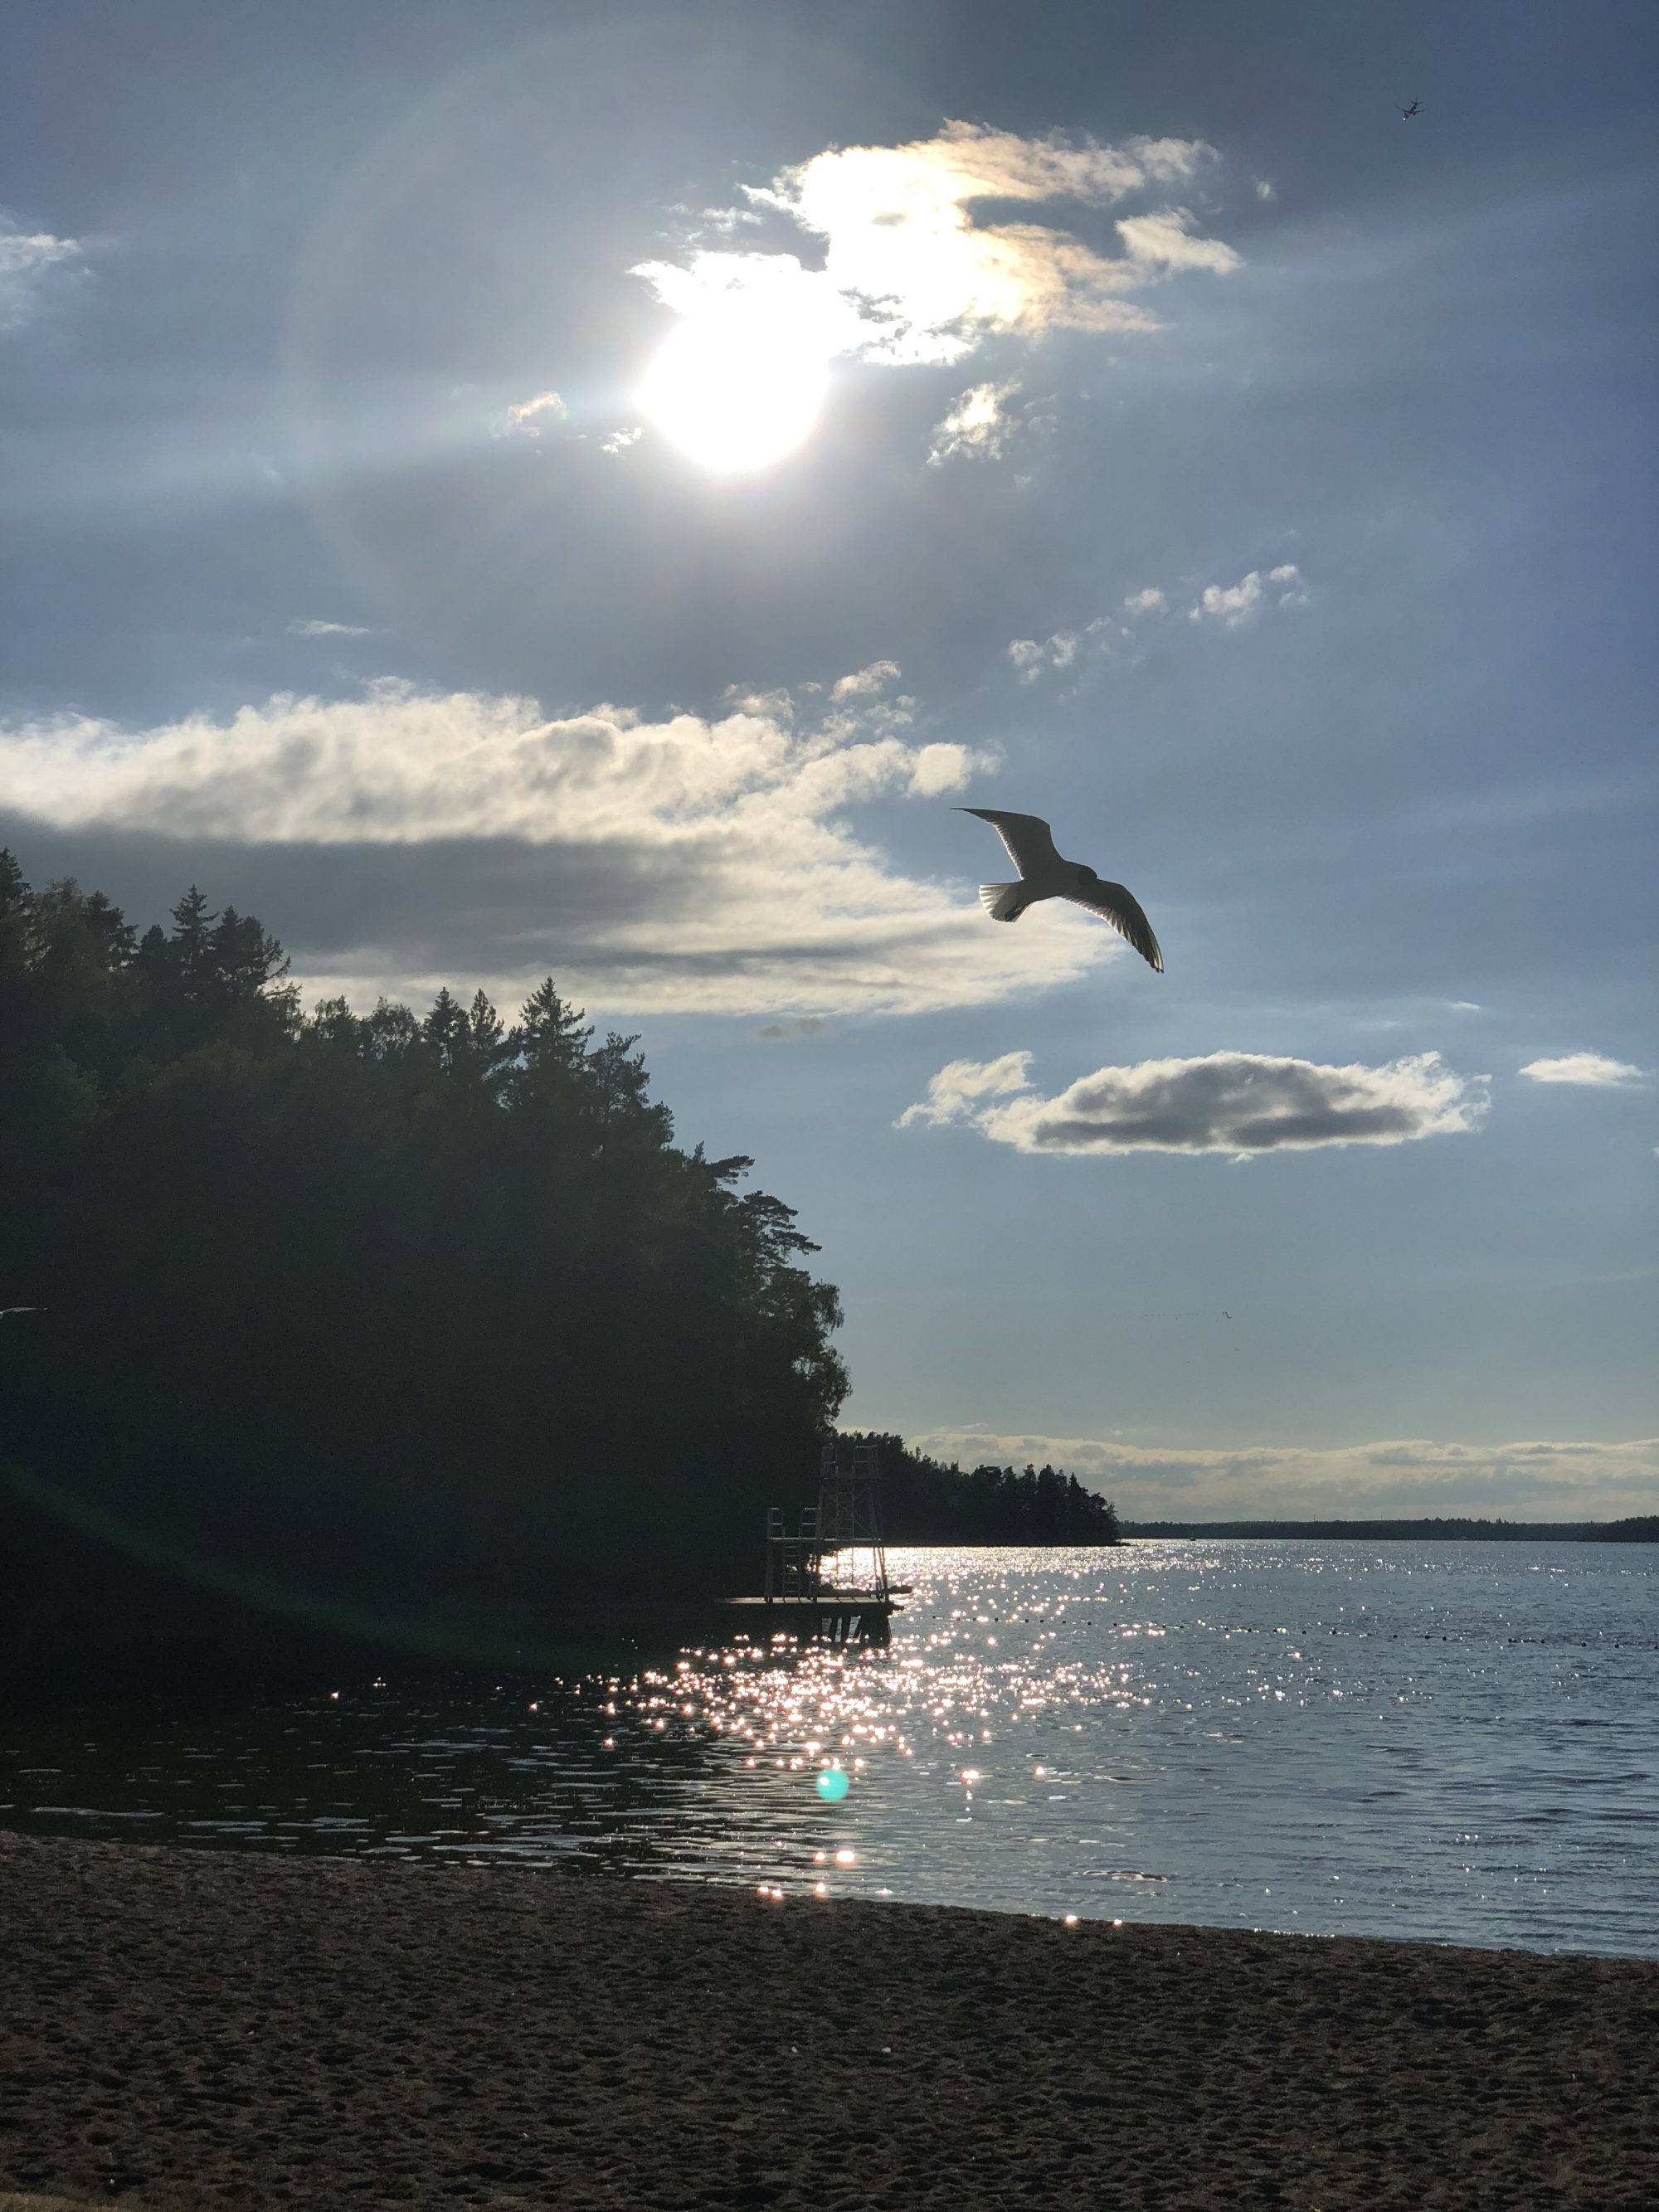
(426, 1318)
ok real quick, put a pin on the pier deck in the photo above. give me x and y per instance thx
(848, 1616)
(843, 1527)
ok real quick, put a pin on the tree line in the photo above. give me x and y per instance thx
(925, 1501)
(422, 1322)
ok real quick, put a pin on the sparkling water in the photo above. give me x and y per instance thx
(1456, 1742)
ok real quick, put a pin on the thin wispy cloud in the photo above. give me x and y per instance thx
(1033, 657)
(1123, 630)
(1169, 239)
(1590, 1071)
(28, 260)
(1108, 633)
(1233, 1102)
(866, 683)
(327, 630)
(531, 417)
(980, 427)
(1409, 1476)
(1234, 605)
(909, 275)
(401, 838)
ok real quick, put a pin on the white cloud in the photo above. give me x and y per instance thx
(956, 1093)
(1034, 657)
(907, 274)
(678, 864)
(618, 441)
(1164, 239)
(979, 427)
(1234, 605)
(935, 769)
(1264, 190)
(864, 682)
(1592, 1070)
(1566, 1481)
(26, 258)
(528, 418)
(326, 629)
(1234, 1103)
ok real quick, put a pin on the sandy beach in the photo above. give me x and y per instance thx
(191, 2029)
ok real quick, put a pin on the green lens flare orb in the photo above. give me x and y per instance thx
(833, 1785)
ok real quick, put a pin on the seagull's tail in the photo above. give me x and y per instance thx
(1003, 902)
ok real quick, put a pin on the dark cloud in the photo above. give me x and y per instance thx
(464, 909)
(400, 838)
(1228, 1101)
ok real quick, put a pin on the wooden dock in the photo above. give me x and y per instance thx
(845, 1523)
(842, 1616)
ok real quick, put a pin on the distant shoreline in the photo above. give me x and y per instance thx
(191, 2029)
(1642, 1529)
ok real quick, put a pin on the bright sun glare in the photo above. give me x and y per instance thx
(734, 390)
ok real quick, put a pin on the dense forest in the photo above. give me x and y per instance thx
(419, 1327)
(419, 1323)
(924, 1502)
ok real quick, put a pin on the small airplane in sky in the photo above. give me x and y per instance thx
(1406, 114)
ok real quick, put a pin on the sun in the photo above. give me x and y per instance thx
(735, 389)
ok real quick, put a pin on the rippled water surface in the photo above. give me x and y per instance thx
(1456, 1742)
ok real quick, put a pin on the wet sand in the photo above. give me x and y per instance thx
(189, 2030)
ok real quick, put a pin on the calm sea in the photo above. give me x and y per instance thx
(1451, 1741)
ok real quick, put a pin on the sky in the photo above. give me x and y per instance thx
(518, 489)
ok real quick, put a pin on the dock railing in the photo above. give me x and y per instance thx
(793, 1564)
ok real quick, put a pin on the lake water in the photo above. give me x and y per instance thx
(1457, 1742)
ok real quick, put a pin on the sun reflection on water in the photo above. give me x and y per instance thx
(1424, 1740)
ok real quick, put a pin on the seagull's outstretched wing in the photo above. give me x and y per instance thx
(1030, 846)
(1122, 909)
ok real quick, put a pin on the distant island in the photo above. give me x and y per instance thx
(925, 1501)
(1639, 1528)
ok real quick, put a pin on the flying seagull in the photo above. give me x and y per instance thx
(1406, 114)
(1044, 875)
